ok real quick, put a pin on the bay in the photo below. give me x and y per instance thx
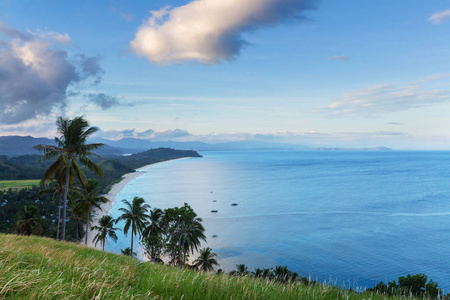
(352, 218)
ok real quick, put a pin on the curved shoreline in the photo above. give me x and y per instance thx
(105, 208)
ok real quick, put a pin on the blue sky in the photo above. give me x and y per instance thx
(322, 73)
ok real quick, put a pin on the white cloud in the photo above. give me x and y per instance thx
(150, 134)
(35, 73)
(440, 17)
(377, 100)
(209, 31)
(54, 37)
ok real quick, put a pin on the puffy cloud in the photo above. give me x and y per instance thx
(209, 31)
(103, 101)
(440, 17)
(35, 73)
(373, 101)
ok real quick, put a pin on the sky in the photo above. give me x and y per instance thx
(326, 73)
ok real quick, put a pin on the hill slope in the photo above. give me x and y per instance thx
(40, 268)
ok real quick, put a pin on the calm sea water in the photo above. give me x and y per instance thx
(352, 218)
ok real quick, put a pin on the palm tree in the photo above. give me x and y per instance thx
(70, 147)
(206, 260)
(241, 269)
(192, 231)
(28, 221)
(134, 215)
(262, 273)
(154, 227)
(89, 199)
(152, 235)
(127, 252)
(105, 228)
(281, 273)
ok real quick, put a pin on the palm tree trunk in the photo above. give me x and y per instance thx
(131, 254)
(59, 217)
(184, 250)
(66, 191)
(87, 223)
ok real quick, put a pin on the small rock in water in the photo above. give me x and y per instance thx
(214, 235)
(214, 211)
(214, 200)
(234, 204)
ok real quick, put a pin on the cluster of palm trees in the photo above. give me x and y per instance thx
(279, 273)
(174, 233)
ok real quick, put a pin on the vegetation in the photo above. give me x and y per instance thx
(411, 285)
(105, 229)
(18, 184)
(88, 199)
(135, 216)
(71, 148)
(206, 260)
(12, 201)
(37, 268)
(28, 221)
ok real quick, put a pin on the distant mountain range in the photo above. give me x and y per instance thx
(22, 145)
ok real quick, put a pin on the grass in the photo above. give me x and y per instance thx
(41, 268)
(18, 184)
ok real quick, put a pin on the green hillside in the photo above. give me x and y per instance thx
(41, 268)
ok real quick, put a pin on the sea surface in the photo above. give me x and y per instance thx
(352, 218)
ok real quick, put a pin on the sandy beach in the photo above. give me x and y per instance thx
(112, 195)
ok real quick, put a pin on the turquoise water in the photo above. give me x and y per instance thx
(353, 218)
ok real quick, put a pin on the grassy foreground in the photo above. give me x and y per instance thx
(41, 268)
(18, 184)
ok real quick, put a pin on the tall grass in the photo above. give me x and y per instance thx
(40, 268)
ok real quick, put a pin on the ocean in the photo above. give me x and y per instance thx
(351, 218)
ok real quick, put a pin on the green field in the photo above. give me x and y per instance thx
(18, 184)
(41, 268)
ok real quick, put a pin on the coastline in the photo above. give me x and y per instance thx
(105, 208)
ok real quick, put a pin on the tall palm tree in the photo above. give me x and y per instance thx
(89, 198)
(28, 221)
(105, 228)
(192, 231)
(70, 147)
(152, 235)
(135, 216)
(206, 260)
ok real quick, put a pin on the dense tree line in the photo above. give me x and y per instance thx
(13, 201)
(410, 285)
